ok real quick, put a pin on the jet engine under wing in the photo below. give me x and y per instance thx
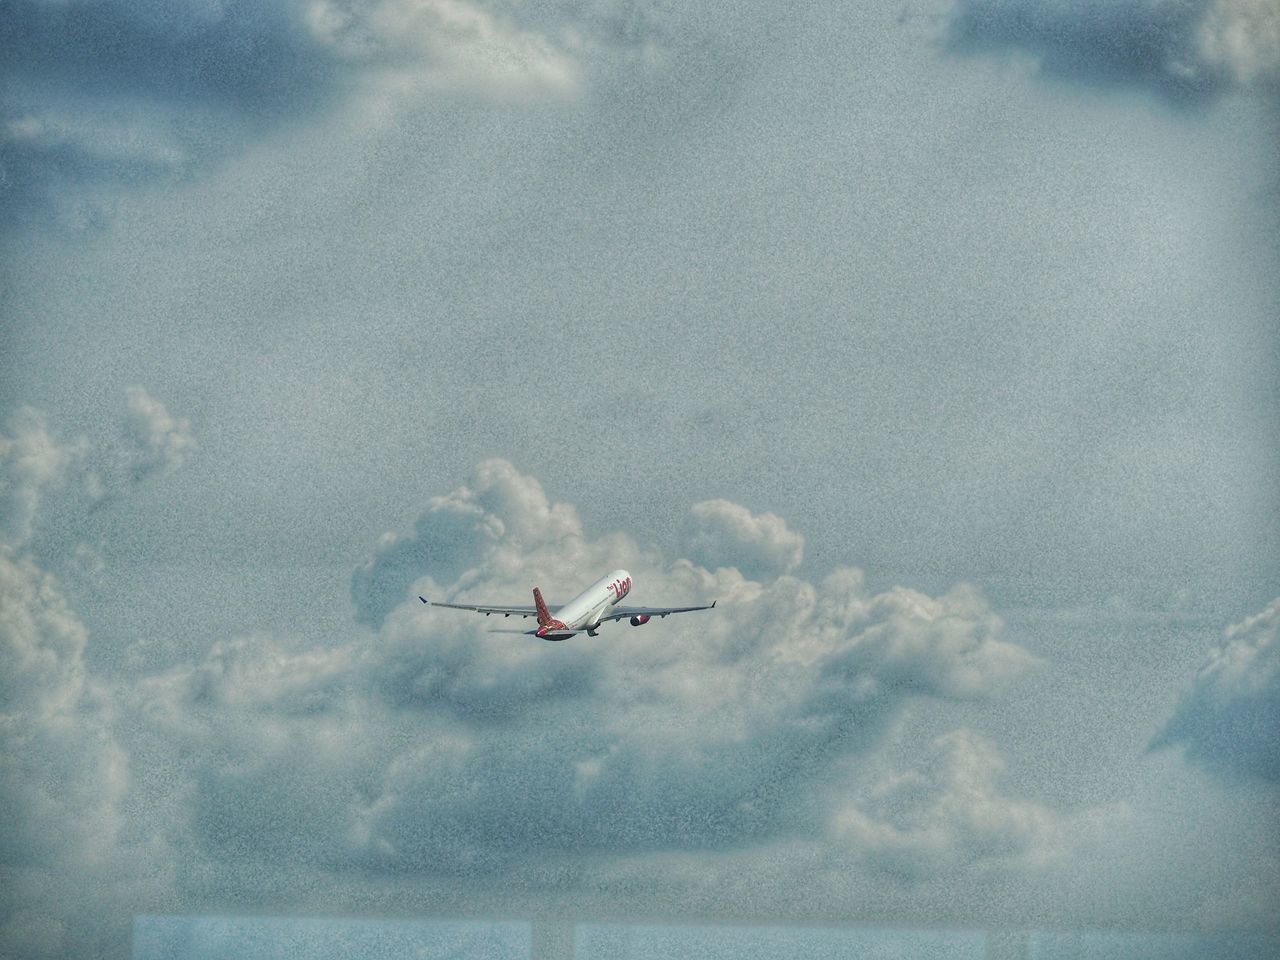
(623, 613)
(487, 611)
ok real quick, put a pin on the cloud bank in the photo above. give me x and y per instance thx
(706, 737)
(120, 94)
(1229, 719)
(432, 749)
(1184, 50)
(64, 773)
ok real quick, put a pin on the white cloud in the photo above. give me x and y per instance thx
(151, 442)
(415, 45)
(63, 775)
(432, 749)
(157, 442)
(723, 534)
(1230, 718)
(164, 91)
(1182, 48)
(32, 462)
(498, 507)
(948, 814)
(1242, 38)
(41, 670)
(701, 732)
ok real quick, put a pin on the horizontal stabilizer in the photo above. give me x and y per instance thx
(550, 635)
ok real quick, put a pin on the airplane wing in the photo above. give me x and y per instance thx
(487, 611)
(622, 613)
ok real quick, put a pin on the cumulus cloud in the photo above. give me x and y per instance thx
(32, 462)
(719, 533)
(35, 462)
(707, 742)
(63, 775)
(499, 506)
(1182, 49)
(102, 95)
(1230, 718)
(709, 739)
(122, 93)
(442, 45)
(500, 509)
(430, 748)
(948, 814)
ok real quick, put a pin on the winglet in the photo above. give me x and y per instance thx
(713, 603)
(424, 599)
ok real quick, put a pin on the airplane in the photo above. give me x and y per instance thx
(583, 614)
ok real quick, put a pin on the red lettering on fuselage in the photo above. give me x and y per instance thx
(620, 588)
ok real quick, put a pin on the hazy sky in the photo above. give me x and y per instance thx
(937, 341)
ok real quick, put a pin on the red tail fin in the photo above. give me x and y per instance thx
(544, 615)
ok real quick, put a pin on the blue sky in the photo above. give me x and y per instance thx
(937, 342)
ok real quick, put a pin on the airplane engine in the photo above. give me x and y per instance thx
(640, 620)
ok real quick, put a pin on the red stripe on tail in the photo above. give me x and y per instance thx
(544, 615)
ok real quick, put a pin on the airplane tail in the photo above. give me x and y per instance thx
(544, 615)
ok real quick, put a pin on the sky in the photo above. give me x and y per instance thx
(936, 341)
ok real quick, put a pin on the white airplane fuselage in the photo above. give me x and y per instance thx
(584, 611)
